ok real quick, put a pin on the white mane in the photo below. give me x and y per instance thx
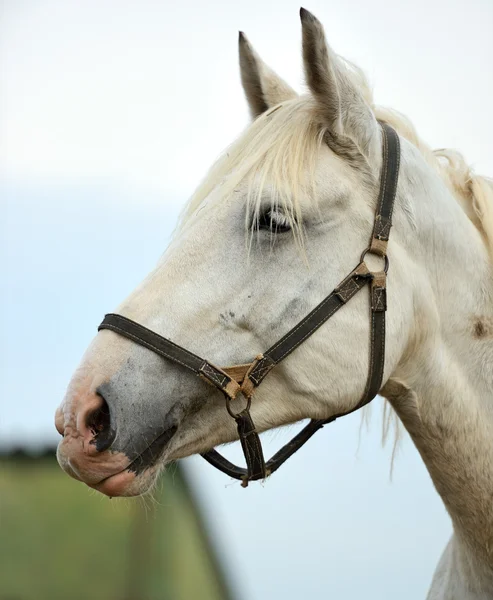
(282, 145)
(473, 192)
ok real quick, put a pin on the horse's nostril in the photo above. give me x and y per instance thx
(99, 422)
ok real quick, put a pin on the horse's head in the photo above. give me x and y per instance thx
(279, 221)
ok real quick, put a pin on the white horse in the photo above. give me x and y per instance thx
(279, 220)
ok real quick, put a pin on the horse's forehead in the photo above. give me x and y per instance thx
(330, 177)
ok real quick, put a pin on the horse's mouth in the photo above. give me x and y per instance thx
(124, 483)
(140, 474)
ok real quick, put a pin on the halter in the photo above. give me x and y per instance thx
(241, 380)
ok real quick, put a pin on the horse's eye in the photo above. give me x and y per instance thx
(274, 220)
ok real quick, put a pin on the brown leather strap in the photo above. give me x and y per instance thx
(223, 464)
(352, 284)
(388, 187)
(252, 447)
(169, 350)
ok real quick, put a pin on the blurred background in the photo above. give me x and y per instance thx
(110, 114)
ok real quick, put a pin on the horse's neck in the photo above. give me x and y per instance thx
(442, 389)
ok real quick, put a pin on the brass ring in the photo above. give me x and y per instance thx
(385, 257)
(228, 406)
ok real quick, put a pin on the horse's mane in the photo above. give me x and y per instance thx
(473, 192)
(282, 145)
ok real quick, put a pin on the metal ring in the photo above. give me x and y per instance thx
(228, 405)
(385, 257)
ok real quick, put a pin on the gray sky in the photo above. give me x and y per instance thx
(110, 113)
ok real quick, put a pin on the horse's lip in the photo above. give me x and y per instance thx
(120, 483)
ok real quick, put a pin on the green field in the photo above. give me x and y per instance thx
(60, 540)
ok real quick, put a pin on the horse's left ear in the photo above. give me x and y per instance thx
(342, 107)
(263, 88)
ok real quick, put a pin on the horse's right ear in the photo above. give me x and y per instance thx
(263, 88)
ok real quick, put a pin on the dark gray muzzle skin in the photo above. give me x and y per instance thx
(142, 418)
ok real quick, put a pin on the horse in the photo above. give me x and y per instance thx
(278, 221)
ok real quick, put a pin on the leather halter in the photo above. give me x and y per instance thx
(243, 379)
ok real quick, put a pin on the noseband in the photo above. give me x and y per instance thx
(241, 380)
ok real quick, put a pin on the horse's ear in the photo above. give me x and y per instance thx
(263, 88)
(342, 107)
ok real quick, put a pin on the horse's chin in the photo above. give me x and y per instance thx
(126, 483)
